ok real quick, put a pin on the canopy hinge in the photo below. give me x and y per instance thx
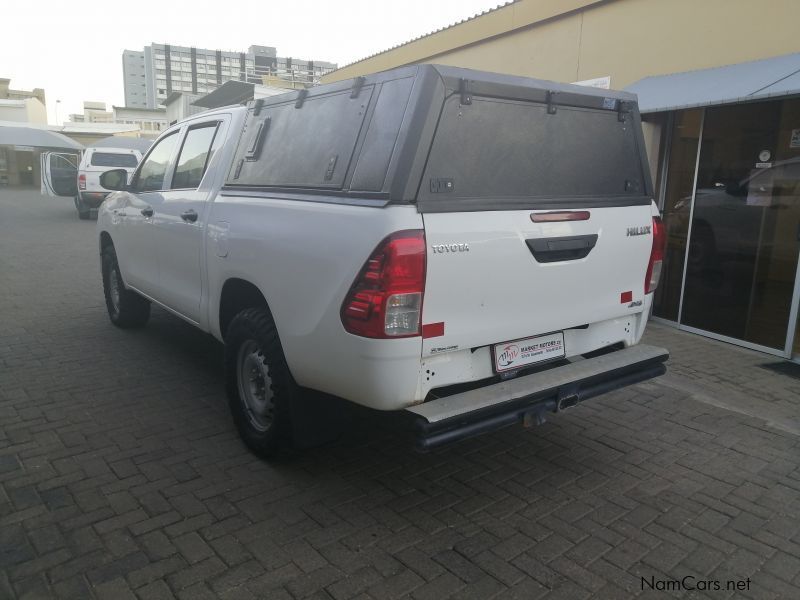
(463, 89)
(551, 102)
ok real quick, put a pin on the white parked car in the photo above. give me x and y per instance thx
(468, 249)
(95, 162)
(66, 174)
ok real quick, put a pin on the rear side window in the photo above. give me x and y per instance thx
(114, 159)
(194, 157)
(515, 151)
(306, 144)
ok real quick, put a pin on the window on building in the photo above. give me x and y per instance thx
(194, 157)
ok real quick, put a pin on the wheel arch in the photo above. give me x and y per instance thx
(237, 295)
(105, 241)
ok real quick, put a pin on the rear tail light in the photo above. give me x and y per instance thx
(385, 300)
(81, 182)
(656, 256)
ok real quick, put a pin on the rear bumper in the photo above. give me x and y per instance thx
(93, 199)
(527, 399)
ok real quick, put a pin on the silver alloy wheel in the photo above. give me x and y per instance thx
(255, 385)
(113, 289)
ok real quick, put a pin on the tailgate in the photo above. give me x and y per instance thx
(538, 218)
(499, 276)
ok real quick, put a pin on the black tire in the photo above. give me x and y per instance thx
(126, 308)
(83, 212)
(260, 405)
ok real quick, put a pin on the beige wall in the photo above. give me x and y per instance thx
(570, 40)
(37, 113)
(29, 110)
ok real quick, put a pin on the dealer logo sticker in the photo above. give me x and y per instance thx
(508, 355)
(528, 351)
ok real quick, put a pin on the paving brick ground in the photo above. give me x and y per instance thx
(121, 475)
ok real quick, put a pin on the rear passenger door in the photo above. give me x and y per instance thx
(179, 219)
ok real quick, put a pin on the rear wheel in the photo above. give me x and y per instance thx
(259, 385)
(83, 211)
(125, 307)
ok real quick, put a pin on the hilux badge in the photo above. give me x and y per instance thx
(642, 230)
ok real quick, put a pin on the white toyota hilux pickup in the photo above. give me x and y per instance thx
(470, 249)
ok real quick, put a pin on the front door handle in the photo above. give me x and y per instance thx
(189, 216)
(147, 211)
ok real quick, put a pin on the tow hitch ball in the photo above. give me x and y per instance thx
(566, 399)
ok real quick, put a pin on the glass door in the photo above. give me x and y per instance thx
(680, 173)
(743, 244)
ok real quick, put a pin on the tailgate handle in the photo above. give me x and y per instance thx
(557, 249)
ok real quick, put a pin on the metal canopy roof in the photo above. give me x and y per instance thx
(743, 82)
(34, 136)
(230, 92)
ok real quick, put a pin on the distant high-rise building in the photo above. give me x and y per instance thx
(134, 73)
(152, 74)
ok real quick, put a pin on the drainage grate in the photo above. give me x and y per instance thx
(783, 367)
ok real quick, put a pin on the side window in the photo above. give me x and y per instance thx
(195, 155)
(154, 169)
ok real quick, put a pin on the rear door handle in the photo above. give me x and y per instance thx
(546, 250)
(147, 211)
(190, 216)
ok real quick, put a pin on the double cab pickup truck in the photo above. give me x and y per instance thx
(470, 249)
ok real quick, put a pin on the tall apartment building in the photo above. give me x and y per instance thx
(152, 74)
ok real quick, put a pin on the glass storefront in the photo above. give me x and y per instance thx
(733, 194)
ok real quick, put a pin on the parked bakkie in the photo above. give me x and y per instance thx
(65, 174)
(473, 249)
(94, 163)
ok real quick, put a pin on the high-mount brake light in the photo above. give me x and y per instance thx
(385, 300)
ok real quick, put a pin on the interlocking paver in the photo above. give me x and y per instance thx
(121, 475)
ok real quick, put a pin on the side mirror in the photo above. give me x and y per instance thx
(115, 179)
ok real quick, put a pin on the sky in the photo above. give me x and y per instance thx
(74, 50)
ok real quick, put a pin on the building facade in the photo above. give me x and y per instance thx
(6, 93)
(134, 77)
(151, 75)
(151, 121)
(93, 112)
(29, 110)
(719, 90)
(22, 106)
